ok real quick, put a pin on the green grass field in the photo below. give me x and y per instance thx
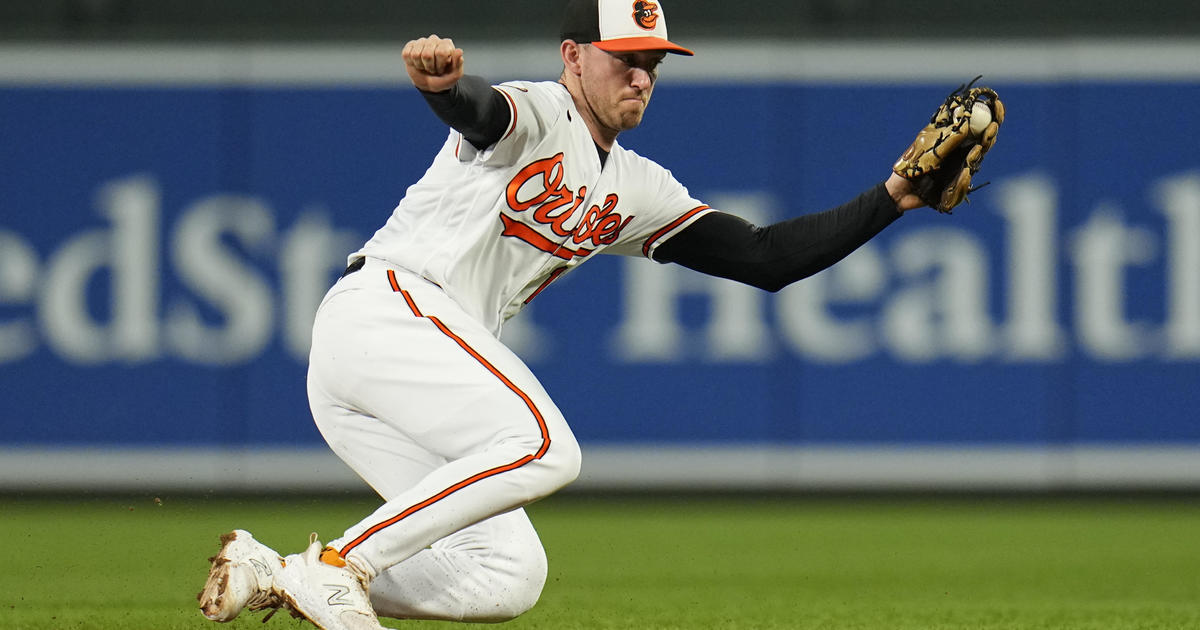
(655, 562)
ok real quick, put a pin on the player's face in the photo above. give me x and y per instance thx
(617, 86)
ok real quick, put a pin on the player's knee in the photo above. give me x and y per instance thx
(564, 458)
(509, 607)
(550, 470)
(516, 592)
(517, 603)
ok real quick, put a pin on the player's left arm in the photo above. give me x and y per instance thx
(936, 170)
(774, 256)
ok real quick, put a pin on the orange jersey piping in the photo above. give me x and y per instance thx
(670, 226)
(513, 106)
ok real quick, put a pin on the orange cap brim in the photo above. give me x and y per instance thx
(634, 44)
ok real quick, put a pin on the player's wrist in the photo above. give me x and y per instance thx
(437, 90)
(902, 193)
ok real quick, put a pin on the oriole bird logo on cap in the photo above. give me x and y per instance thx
(645, 14)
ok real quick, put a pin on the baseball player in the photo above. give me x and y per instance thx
(408, 381)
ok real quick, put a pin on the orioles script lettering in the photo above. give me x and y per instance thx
(539, 187)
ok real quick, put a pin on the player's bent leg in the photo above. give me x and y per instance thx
(461, 493)
(421, 365)
(491, 571)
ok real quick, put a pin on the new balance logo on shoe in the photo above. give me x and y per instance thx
(261, 567)
(330, 597)
(340, 595)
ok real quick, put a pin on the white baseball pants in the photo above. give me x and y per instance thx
(452, 430)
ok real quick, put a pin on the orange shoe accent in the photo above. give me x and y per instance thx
(330, 556)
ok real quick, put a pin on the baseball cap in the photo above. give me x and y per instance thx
(619, 25)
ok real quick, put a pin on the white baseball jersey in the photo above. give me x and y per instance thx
(494, 227)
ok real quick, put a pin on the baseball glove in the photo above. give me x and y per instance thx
(948, 151)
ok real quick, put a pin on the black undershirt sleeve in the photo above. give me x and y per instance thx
(472, 107)
(772, 257)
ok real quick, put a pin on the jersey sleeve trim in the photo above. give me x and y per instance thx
(512, 106)
(690, 215)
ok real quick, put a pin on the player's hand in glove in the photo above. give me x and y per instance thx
(433, 63)
(949, 150)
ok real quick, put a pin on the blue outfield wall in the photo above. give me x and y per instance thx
(162, 248)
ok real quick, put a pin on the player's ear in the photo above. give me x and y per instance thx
(571, 52)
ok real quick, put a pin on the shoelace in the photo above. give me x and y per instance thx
(262, 601)
(268, 599)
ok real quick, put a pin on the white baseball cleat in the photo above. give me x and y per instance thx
(320, 588)
(241, 576)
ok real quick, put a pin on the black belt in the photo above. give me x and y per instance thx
(355, 265)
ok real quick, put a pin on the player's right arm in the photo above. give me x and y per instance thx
(465, 102)
(433, 63)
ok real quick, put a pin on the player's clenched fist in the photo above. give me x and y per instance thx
(433, 63)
